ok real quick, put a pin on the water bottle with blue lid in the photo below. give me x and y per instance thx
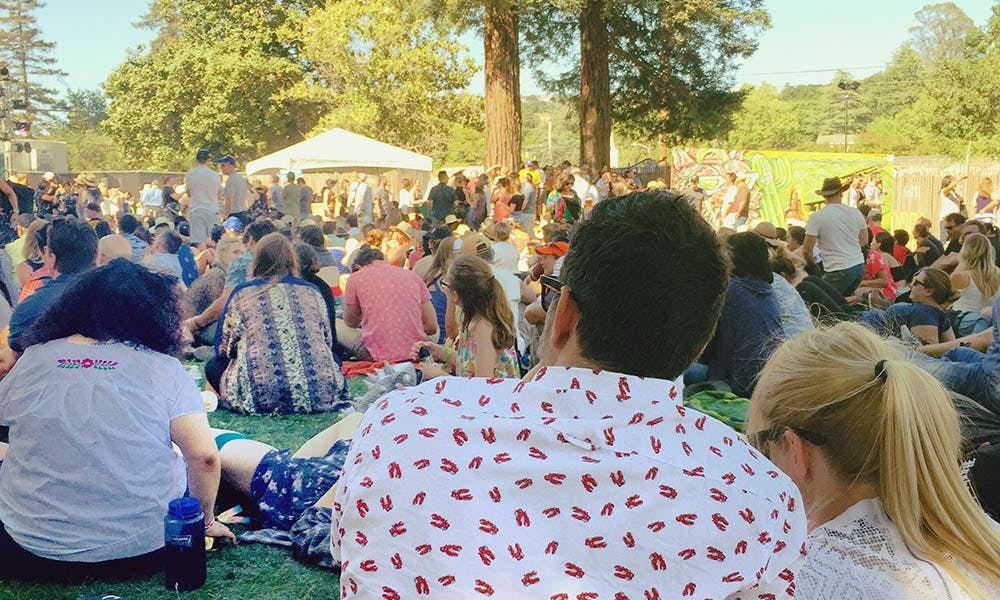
(184, 541)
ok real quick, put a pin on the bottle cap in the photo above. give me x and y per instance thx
(185, 508)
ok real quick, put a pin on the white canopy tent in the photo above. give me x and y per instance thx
(338, 150)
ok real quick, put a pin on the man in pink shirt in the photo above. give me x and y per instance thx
(390, 304)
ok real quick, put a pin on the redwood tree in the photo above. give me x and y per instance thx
(595, 86)
(503, 85)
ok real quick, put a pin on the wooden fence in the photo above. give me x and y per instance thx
(917, 185)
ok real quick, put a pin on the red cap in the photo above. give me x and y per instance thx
(553, 249)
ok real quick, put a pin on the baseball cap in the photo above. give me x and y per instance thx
(226, 160)
(163, 221)
(184, 229)
(475, 244)
(553, 249)
(202, 155)
(49, 176)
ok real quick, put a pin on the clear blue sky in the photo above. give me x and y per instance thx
(93, 37)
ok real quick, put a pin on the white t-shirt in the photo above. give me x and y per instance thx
(91, 467)
(505, 256)
(948, 206)
(203, 186)
(512, 289)
(836, 227)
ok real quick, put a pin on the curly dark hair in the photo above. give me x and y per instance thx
(122, 302)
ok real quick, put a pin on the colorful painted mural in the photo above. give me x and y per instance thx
(779, 181)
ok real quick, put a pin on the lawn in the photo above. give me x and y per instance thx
(251, 572)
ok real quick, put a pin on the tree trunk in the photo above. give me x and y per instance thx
(595, 87)
(503, 86)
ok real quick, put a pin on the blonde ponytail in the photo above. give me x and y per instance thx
(887, 423)
(920, 480)
(978, 258)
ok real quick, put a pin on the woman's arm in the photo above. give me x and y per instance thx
(193, 436)
(486, 355)
(878, 282)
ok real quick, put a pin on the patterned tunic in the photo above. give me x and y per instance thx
(576, 484)
(278, 337)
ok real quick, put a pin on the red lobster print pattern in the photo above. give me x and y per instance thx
(576, 484)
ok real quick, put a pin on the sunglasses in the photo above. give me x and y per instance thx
(551, 287)
(761, 440)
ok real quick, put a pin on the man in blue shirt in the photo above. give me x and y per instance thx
(442, 198)
(72, 249)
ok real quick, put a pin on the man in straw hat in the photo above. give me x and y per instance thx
(841, 234)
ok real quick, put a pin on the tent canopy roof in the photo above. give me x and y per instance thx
(340, 150)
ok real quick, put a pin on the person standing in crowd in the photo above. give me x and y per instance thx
(856, 193)
(363, 200)
(729, 210)
(305, 198)
(875, 447)
(442, 198)
(45, 196)
(484, 346)
(71, 249)
(406, 199)
(274, 349)
(986, 205)
(950, 201)
(291, 199)
(841, 234)
(152, 199)
(274, 194)
(605, 386)
(694, 194)
(874, 191)
(391, 306)
(236, 192)
(388, 213)
(742, 202)
(204, 186)
(85, 192)
(107, 343)
(329, 198)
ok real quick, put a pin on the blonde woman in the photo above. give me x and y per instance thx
(32, 252)
(986, 205)
(977, 276)
(873, 444)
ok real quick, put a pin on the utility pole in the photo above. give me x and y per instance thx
(847, 86)
(5, 133)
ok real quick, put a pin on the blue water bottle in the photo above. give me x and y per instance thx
(184, 539)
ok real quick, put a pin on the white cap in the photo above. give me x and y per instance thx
(49, 176)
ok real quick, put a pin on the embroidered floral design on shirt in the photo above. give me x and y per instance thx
(87, 363)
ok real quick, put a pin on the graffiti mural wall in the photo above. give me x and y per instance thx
(779, 182)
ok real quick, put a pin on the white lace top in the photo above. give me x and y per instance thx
(860, 555)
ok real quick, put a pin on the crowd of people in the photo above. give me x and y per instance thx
(562, 324)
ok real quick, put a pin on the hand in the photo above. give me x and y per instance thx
(219, 531)
(190, 325)
(7, 360)
(437, 353)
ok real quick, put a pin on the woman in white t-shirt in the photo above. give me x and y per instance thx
(873, 443)
(97, 408)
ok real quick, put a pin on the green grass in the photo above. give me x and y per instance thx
(250, 572)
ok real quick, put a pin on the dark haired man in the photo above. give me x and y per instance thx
(236, 276)
(164, 256)
(588, 478)
(953, 225)
(442, 198)
(127, 224)
(72, 248)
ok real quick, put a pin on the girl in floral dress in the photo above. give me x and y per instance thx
(485, 343)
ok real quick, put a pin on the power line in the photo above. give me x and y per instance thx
(812, 71)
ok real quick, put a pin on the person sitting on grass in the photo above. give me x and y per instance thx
(94, 406)
(485, 343)
(924, 316)
(588, 478)
(206, 289)
(874, 445)
(291, 492)
(273, 348)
